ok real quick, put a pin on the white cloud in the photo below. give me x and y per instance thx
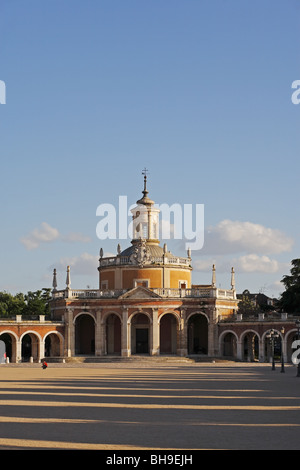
(249, 263)
(235, 237)
(84, 264)
(47, 234)
(76, 237)
(44, 234)
(254, 263)
(206, 265)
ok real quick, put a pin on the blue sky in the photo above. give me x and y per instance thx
(199, 92)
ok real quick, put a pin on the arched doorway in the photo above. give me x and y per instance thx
(10, 346)
(140, 334)
(168, 334)
(250, 347)
(197, 334)
(113, 334)
(53, 345)
(30, 347)
(84, 334)
(229, 345)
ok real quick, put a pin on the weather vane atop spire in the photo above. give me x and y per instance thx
(145, 200)
(144, 172)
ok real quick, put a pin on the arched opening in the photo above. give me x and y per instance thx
(140, 334)
(30, 347)
(272, 347)
(229, 345)
(85, 335)
(168, 334)
(10, 346)
(52, 345)
(197, 334)
(113, 334)
(250, 349)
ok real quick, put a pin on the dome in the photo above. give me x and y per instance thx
(154, 250)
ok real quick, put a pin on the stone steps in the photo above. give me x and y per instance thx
(133, 359)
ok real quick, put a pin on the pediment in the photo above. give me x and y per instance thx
(140, 292)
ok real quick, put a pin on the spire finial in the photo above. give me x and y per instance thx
(144, 172)
(145, 200)
(213, 276)
(232, 279)
(68, 280)
(54, 282)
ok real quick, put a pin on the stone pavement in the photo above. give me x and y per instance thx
(149, 406)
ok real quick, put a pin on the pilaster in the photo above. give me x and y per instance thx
(213, 346)
(98, 336)
(125, 339)
(182, 350)
(18, 350)
(154, 351)
(69, 333)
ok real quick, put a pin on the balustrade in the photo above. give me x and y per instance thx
(198, 292)
(123, 260)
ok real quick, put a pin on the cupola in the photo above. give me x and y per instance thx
(144, 263)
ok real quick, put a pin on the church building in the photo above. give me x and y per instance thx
(146, 303)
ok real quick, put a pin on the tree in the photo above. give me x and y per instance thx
(11, 305)
(290, 298)
(246, 304)
(32, 303)
(37, 303)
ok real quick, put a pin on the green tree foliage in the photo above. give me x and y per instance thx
(246, 305)
(37, 302)
(11, 305)
(290, 298)
(32, 303)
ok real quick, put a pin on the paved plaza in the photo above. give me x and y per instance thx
(149, 406)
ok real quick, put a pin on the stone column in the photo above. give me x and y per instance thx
(69, 333)
(239, 352)
(212, 333)
(98, 337)
(183, 333)
(155, 349)
(261, 350)
(41, 350)
(212, 351)
(18, 350)
(125, 334)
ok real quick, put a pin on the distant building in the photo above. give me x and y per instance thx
(260, 300)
